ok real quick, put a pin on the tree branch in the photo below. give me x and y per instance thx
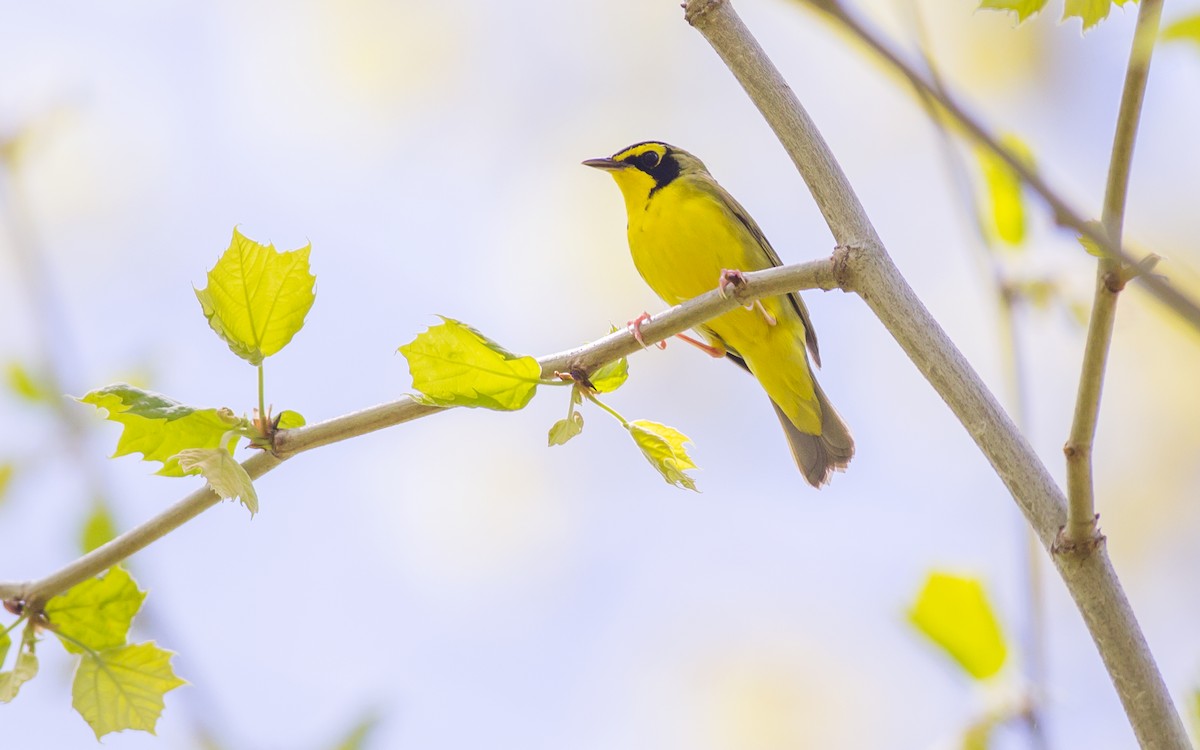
(820, 274)
(865, 267)
(1064, 215)
(1081, 527)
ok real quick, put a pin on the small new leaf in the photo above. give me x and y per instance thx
(159, 427)
(23, 671)
(663, 448)
(289, 419)
(611, 376)
(1023, 8)
(565, 429)
(1088, 243)
(96, 614)
(257, 297)
(225, 475)
(1005, 208)
(98, 529)
(953, 612)
(122, 688)
(452, 364)
(1184, 29)
(5, 644)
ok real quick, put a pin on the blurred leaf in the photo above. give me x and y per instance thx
(257, 297)
(7, 469)
(663, 448)
(358, 735)
(1023, 8)
(1087, 242)
(24, 384)
(5, 645)
(452, 364)
(24, 670)
(225, 475)
(1091, 12)
(1185, 29)
(289, 419)
(122, 688)
(611, 376)
(565, 429)
(978, 736)
(1006, 209)
(98, 529)
(96, 613)
(954, 613)
(159, 427)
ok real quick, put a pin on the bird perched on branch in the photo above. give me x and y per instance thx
(687, 235)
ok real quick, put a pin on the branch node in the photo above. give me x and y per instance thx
(1078, 546)
(695, 10)
(843, 256)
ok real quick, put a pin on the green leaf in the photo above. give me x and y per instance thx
(225, 475)
(452, 364)
(1023, 8)
(663, 448)
(5, 644)
(257, 297)
(611, 376)
(356, 738)
(96, 613)
(24, 384)
(159, 427)
(122, 688)
(1005, 207)
(1091, 12)
(289, 419)
(565, 429)
(98, 529)
(1088, 243)
(23, 671)
(953, 612)
(1185, 29)
(7, 469)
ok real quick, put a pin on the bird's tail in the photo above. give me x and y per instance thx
(819, 455)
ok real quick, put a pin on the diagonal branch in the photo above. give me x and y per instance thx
(1081, 510)
(820, 274)
(867, 269)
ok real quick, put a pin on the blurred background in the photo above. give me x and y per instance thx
(453, 582)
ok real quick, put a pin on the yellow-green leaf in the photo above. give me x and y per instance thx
(123, 688)
(225, 475)
(1023, 8)
(663, 448)
(1185, 29)
(98, 529)
(953, 612)
(7, 469)
(1091, 12)
(565, 429)
(289, 419)
(96, 614)
(159, 427)
(257, 297)
(356, 738)
(1088, 243)
(25, 384)
(23, 671)
(611, 376)
(452, 364)
(1005, 208)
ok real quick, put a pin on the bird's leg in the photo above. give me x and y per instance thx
(716, 352)
(737, 280)
(766, 315)
(635, 327)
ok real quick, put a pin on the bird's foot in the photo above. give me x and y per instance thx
(771, 321)
(730, 278)
(716, 352)
(635, 327)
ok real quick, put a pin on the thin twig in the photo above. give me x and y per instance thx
(1064, 215)
(820, 274)
(864, 266)
(1081, 527)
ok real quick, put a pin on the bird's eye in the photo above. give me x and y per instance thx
(650, 159)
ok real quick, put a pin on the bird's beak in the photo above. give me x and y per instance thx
(608, 165)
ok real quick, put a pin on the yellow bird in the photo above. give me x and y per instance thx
(687, 235)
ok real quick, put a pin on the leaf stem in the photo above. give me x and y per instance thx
(1081, 530)
(592, 397)
(13, 626)
(262, 408)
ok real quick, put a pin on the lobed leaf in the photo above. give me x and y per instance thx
(452, 364)
(123, 688)
(565, 429)
(953, 612)
(23, 671)
(1091, 12)
(225, 475)
(159, 427)
(97, 613)
(1023, 8)
(257, 297)
(663, 448)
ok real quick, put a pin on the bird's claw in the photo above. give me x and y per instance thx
(730, 278)
(635, 327)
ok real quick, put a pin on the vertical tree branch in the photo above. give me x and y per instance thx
(1081, 528)
(866, 268)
